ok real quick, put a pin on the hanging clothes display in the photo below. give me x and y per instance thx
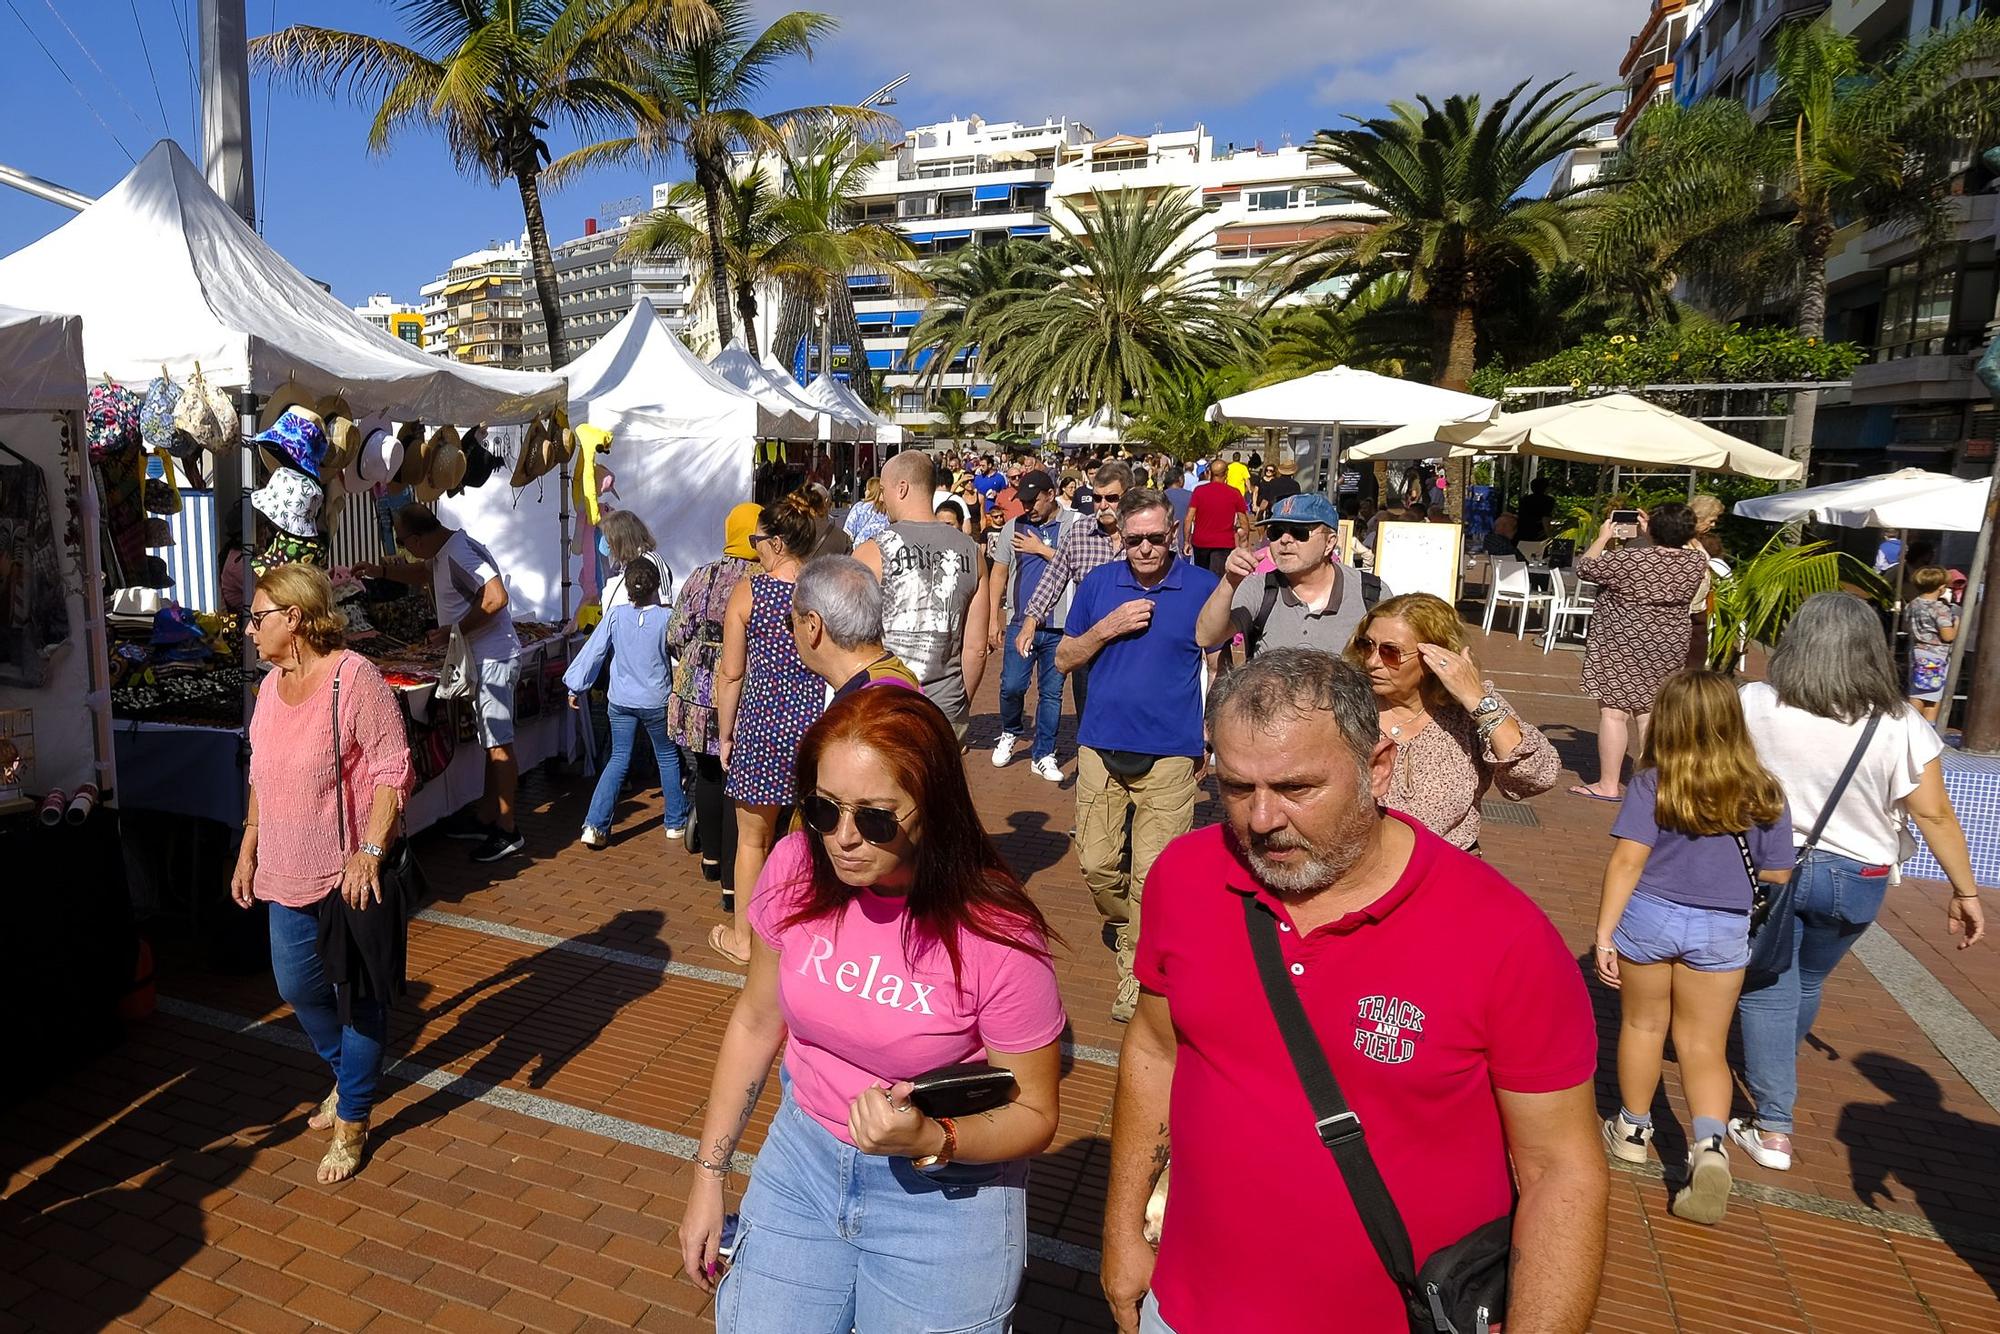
(34, 616)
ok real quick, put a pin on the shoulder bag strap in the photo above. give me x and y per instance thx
(1339, 1128)
(1840, 787)
(339, 765)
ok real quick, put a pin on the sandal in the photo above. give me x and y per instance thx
(323, 1115)
(718, 937)
(1582, 791)
(343, 1156)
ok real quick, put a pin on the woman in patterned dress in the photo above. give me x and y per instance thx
(1639, 632)
(765, 699)
(694, 637)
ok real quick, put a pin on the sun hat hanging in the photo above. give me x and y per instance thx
(156, 413)
(162, 494)
(416, 454)
(291, 500)
(480, 460)
(205, 415)
(529, 452)
(381, 454)
(444, 465)
(291, 394)
(297, 440)
(341, 440)
(111, 425)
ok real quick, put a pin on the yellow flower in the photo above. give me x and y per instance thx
(1675, 357)
(1812, 342)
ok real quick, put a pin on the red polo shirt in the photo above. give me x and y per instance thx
(1450, 986)
(1216, 505)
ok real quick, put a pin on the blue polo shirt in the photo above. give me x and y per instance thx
(1147, 687)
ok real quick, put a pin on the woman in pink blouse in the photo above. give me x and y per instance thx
(1454, 736)
(320, 875)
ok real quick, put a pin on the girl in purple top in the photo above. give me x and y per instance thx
(1673, 927)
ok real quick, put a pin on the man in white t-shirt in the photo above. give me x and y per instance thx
(471, 597)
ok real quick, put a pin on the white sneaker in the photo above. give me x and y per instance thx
(1046, 767)
(1004, 748)
(676, 831)
(1767, 1148)
(1706, 1196)
(594, 838)
(1627, 1141)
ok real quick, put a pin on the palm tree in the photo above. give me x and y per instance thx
(1125, 306)
(703, 90)
(747, 226)
(1375, 330)
(954, 410)
(491, 76)
(1175, 416)
(969, 287)
(1752, 206)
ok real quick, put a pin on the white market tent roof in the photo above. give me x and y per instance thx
(641, 367)
(825, 391)
(1103, 427)
(41, 361)
(1344, 396)
(886, 431)
(1910, 498)
(1616, 428)
(165, 276)
(795, 418)
(827, 424)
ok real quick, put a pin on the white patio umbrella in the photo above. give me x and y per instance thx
(1103, 427)
(1344, 396)
(1616, 428)
(1910, 498)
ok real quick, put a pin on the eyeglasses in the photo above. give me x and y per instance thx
(257, 617)
(1298, 532)
(1109, 497)
(759, 537)
(1392, 655)
(1146, 539)
(822, 816)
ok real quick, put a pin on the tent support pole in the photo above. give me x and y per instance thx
(1982, 702)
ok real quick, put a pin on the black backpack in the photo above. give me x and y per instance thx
(1371, 593)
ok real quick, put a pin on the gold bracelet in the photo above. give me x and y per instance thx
(707, 1166)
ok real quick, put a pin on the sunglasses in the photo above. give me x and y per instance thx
(877, 826)
(1109, 497)
(1146, 539)
(759, 537)
(256, 618)
(1298, 532)
(1392, 655)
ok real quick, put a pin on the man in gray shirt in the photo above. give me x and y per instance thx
(1311, 600)
(934, 589)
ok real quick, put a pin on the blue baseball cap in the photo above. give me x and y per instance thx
(1304, 508)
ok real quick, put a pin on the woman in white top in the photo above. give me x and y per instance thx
(626, 539)
(1829, 675)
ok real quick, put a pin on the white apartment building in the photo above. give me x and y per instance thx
(395, 318)
(597, 287)
(473, 311)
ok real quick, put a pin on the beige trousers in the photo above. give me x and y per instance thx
(1162, 805)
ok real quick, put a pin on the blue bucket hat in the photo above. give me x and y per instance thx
(1304, 508)
(296, 440)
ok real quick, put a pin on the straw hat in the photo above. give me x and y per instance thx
(416, 454)
(290, 394)
(528, 464)
(343, 440)
(446, 466)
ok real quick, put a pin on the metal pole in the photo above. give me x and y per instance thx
(41, 189)
(1982, 702)
(225, 105)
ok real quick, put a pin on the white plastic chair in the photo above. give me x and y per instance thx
(1573, 604)
(1511, 586)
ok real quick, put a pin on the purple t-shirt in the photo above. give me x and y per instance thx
(1698, 870)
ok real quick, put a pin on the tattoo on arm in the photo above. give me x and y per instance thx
(725, 1145)
(1162, 1152)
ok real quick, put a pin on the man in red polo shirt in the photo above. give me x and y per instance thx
(1453, 1016)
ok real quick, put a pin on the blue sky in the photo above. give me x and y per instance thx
(390, 223)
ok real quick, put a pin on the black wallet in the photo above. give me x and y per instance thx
(961, 1090)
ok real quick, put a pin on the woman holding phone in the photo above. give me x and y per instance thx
(889, 939)
(1640, 631)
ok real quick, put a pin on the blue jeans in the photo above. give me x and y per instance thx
(1834, 903)
(354, 1052)
(624, 733)
(1014, 672)
(832, 1239)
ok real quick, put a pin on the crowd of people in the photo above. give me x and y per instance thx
(1413, 1037)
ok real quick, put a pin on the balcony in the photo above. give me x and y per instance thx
(1943, 377)
(656, 271)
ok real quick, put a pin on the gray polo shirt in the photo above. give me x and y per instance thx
(1292, 624)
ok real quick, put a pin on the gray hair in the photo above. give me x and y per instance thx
(846, 597)
(1139, 499)
(1113, 471)
(627, 536)
(1280, 685)
(1834, 660)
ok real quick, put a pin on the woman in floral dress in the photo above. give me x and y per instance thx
(1639, 632)
(765, 699)
(694, 637)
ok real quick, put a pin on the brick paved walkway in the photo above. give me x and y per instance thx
(529, 1159)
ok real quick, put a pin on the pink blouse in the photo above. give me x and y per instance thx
(299, 856)
(1442, 772)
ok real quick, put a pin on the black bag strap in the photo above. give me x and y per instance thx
(1273, 581)
(1339, 1128)
(1749, 864)
(1840, 787)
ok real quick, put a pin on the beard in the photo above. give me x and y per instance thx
(1324, 863)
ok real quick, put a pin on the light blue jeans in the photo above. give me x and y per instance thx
(1834, 903)
(353, 1052)
(1014, 673)
(625, 725)
(832, 1239)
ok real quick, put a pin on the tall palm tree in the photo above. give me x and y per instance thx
(703, 90)
(969, 288)
(491, 76)
(1374, 330)
(1751, 207)
(1126, 306)
(747, 226)
(954, 411)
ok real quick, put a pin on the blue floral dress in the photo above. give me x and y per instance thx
(781, 699)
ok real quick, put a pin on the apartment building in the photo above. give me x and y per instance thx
(1648, 69)
(596, 287)
(1923, 314)
(394, 318)
(474, 311)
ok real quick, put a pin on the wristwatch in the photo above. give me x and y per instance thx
(931, 1162)
(1487, 704)
(372, 850)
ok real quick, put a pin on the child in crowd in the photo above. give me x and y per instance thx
(1673, 926)
(633, 635)
(1932, 622)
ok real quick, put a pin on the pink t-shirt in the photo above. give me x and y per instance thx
(860, 1011)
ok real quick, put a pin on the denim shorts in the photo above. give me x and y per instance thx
(493, 706)
(1708, 940)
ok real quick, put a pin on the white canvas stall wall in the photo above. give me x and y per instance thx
(683, 488)
(64, 721)
(523, 530)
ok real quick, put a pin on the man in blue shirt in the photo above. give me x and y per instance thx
(1140, 750)
(1027, 545)
(988, 481)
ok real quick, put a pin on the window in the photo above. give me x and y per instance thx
(1937, 304)
(1258, 201)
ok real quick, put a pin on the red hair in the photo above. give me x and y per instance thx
(962, 884)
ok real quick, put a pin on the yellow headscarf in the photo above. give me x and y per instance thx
(736, 531)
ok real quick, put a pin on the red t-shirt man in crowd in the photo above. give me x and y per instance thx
(1218, 516)
(1453, 1016)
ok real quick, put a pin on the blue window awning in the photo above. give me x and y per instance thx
(867, 280)
(982, 193)
(909, 319)
(1028, 231)
(922, 358)
(881, 358)
(979, 391)
(926, 238)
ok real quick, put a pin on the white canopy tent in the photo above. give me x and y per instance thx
(1344, 396)
(166, 276)
(886, 431)
(1103, 427)
(857, 421)
(828, 425)
(41, 402)
(793, 417)
(1910, 498)
(1616, 428)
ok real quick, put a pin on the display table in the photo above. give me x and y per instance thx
(179, 769)
(464, 779)
(1973, 783)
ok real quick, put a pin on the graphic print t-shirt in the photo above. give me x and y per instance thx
(859, 1010)
(929, 574)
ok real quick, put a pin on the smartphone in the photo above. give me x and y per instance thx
(1625, 518)
(726, 1250)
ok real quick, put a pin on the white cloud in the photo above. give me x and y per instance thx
(1124, 64)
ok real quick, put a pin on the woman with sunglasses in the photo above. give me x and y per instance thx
(1455, 737)
(891, 939)
(765, 698)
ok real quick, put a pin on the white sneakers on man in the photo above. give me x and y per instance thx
(1004, 748)
(1046, 767)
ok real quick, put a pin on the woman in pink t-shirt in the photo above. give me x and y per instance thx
(889, 940)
